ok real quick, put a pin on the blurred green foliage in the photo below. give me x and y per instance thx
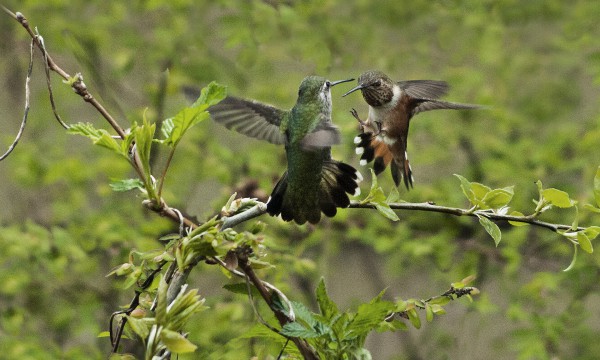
(62, 229)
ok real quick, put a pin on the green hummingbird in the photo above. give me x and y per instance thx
(391, 107)
(313, 182)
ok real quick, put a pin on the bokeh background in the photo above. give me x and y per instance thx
(536, 64)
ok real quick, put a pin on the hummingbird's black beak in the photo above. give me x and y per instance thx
(340, 81)
(360, 86)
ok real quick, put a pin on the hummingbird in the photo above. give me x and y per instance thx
(391, 107)
(313, 182)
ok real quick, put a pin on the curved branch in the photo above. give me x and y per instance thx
(467, 212)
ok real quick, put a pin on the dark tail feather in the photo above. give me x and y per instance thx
(402, 171)
(275, 202)
(337, 181)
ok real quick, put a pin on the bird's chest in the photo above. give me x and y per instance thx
(389, 121)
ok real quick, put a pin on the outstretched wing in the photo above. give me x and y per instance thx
(438, 105)
(424, 89)
(251, 118)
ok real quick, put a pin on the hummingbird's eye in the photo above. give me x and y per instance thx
(377, 83)
(327, 84)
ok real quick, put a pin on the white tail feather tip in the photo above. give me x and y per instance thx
(357, 192)
(359, 176)
(363, 162)
(357, 140)
(360, 150)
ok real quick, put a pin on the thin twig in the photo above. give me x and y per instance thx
(42, 47)
(463, 212)
(26, 112)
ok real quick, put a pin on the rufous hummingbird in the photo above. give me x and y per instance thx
(313, 182)
(391, 106)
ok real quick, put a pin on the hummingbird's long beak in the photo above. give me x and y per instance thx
(360, 86)
(340, 81)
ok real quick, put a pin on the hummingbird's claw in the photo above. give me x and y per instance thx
(378, 124)
(355, 114)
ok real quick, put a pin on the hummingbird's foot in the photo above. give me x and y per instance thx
(379, 126)
(355, 114)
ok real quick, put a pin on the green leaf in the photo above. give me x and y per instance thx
(557, 198)
(140, 326)
(126, 184)
(99, 137)
(413, 317)
(328, 308)
(241, 288)
(428, 313)
(438, 309)
(584, 242)
(295, 329)
(479, 191)
(182, 122)
(517, 223)
(161, 305)
(176, 342)
(212, 94)
(393, 196)
(465, 185)
(498, 198)
(387, 211)
(303, 314)
(491, 228)
(368, 316)
(591, 208)
(143, 139)
(572, 264)
(592, 232)
(597, 186)
(104, 334)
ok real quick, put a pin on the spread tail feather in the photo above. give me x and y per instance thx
(337, 181)
(370, 148)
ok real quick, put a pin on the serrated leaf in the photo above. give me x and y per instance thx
(498, 198)
(597, 186)
(176, 342)
(106, 141)
(126, 185)
(303, 314)
(210, 95)
(328, 308)
(387, 211)
(574, 260)
(491, 228)
(557, 198)
(368, 316)
(517, 223)
(295, 329)
(182, 122)
(584, 242)
(143, 139)
(99, 137)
